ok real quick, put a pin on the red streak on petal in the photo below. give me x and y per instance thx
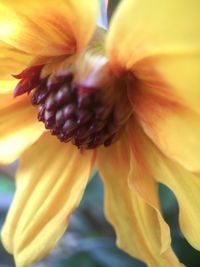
(29, 72)
(85, 91)
(25, 86)
(30, 78)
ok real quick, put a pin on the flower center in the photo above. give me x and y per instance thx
(82, 104)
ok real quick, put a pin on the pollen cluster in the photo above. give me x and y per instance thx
(71, 111)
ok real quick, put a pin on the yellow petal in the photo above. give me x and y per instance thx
(160, 42)
(19, 127)
(186, 187)
(143, 182)
(172, 127)
(50, 183)
(12, 61)
(48, 27)
(136, 222)
(6, 87)
(184, 184)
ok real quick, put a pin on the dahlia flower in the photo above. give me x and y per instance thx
(126, 100)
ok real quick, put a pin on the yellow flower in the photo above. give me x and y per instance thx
(133, 110)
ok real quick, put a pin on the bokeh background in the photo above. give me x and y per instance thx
(90, 240)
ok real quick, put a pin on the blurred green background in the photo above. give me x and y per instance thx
(90, 240)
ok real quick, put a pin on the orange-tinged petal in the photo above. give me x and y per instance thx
(50, 183)
(137, 224)
(19, 127)
(6, 97)
(160, 42)
(175, 129)
(49, 27)
(184, 184)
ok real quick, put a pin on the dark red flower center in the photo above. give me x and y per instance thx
(71, 111)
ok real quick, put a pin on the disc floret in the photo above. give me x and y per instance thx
(81, 104)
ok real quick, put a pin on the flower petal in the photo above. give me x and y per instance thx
(48, 27)
(162, 51)
(186, 187)
(184, 184)
(19, 127)
(12, 61)
(6, 87)
(137, 224)
(50, 183)
(172, 127)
